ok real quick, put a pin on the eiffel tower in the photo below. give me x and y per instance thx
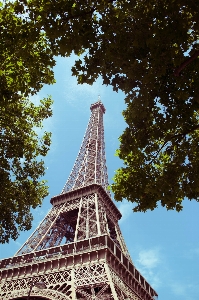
(78, 252)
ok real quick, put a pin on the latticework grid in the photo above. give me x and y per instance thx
(90, 165)
(78, 250)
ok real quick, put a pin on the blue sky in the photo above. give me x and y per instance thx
(164, 245)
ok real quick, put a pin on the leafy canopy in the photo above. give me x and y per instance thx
(25, 66)
(148, 50)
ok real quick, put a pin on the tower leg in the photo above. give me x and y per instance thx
(115, 297)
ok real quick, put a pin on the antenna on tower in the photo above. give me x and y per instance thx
(99, 99)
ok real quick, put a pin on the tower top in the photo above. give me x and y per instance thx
(90, 165)
(98, 104)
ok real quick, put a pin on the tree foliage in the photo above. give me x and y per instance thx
(142, 51)
(148, 50)
(25, 66)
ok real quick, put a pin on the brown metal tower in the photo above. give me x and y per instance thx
(78, 252)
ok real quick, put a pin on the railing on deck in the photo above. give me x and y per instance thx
(75, 248)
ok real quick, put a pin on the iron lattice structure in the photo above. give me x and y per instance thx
(78, 250)
(90, 165)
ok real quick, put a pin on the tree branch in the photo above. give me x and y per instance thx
(186, 63)
(182, 135)
(186, 132)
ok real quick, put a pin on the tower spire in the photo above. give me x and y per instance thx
(90, 165)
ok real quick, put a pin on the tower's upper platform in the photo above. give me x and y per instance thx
(98, 104)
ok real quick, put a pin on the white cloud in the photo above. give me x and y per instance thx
(147, 263)
(149, 258)
(125, 208)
